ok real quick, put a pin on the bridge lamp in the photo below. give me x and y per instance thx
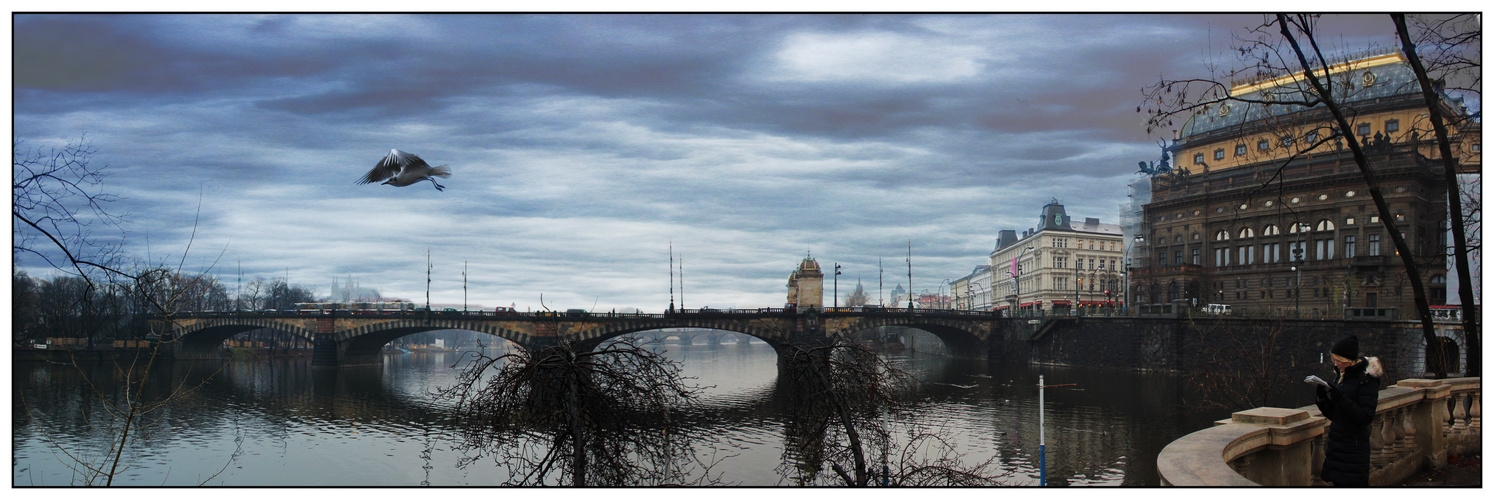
(836, 284)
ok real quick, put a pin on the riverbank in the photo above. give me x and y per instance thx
(68, 355)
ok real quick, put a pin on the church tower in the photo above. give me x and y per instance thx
(806, 286)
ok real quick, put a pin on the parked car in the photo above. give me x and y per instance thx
(1217, 309)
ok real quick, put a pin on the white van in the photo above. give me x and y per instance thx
(1217, 309)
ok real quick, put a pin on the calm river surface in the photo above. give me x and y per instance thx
(281, 423)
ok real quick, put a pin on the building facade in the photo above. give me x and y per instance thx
(973, 291)
(1059, 265)
(806, 286)
(1268, 212)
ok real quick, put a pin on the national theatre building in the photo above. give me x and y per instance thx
(1265, 209)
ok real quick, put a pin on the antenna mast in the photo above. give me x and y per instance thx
(910, 274)
(671, 276)
(427, 280)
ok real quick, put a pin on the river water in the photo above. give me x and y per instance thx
(279, 422)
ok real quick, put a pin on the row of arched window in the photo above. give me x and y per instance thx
(1273, 230)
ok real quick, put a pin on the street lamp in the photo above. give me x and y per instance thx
(1017, 282)
(1297, 297)
(972, 293)
(1299, 259)
(1078, 280)
(943, 286)
(836, 289)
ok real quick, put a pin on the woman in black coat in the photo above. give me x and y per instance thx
(1350, 406)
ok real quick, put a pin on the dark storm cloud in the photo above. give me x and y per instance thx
(90, 54)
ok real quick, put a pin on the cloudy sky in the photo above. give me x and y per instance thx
(583, 145)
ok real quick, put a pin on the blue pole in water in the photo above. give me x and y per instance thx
(1042, 439)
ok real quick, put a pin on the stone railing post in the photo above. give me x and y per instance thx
(1378, 454)
(1475, 413)
(1459, 414)
(1319, 453)
(1465, 424)
(1407, 432)
(1429, 418)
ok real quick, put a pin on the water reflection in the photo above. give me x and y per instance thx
(279, 422)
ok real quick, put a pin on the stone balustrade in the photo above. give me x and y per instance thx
(1418, 423)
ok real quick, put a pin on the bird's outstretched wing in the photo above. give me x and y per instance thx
(391, 165)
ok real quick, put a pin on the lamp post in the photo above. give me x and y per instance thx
(1077, 281)
(1017, 282)
(836, 285)
(972, 293)
(944, 286)
(1297, 296)
(1299, 259)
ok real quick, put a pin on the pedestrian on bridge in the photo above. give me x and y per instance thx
(1349, 405)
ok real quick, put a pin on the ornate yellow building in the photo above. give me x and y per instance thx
(1268, 212)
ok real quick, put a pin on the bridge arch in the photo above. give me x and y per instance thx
(364, 344)
(962, 338)
(772, 332)
(204, 338)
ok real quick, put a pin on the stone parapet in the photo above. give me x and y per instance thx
(1417, 423)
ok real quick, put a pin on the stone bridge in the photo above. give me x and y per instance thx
(351, 339)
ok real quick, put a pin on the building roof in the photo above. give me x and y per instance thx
(1387, 75)
(1094, 226)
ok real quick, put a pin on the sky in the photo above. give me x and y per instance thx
(584, 146)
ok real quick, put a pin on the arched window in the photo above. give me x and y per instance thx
(1247, 232)
(1222, 235)
(1325, 225)
(1297, 227)
(1270, 230)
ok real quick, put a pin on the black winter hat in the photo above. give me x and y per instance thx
(1347, 347)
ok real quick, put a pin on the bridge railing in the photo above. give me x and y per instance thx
(1417, 424)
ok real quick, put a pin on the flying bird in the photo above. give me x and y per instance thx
(403, 169)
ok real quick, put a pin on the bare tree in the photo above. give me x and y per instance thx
(564, 416)
(857, 298)
(23, 303)
(1239, 365)
(58, 201)
(843, 400)
(251, 296)
(1454, 47)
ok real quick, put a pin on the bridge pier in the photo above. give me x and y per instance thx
(324, 352)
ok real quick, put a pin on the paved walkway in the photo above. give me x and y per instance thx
(1460, 471)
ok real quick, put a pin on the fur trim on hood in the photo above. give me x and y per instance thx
(1374, 369)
